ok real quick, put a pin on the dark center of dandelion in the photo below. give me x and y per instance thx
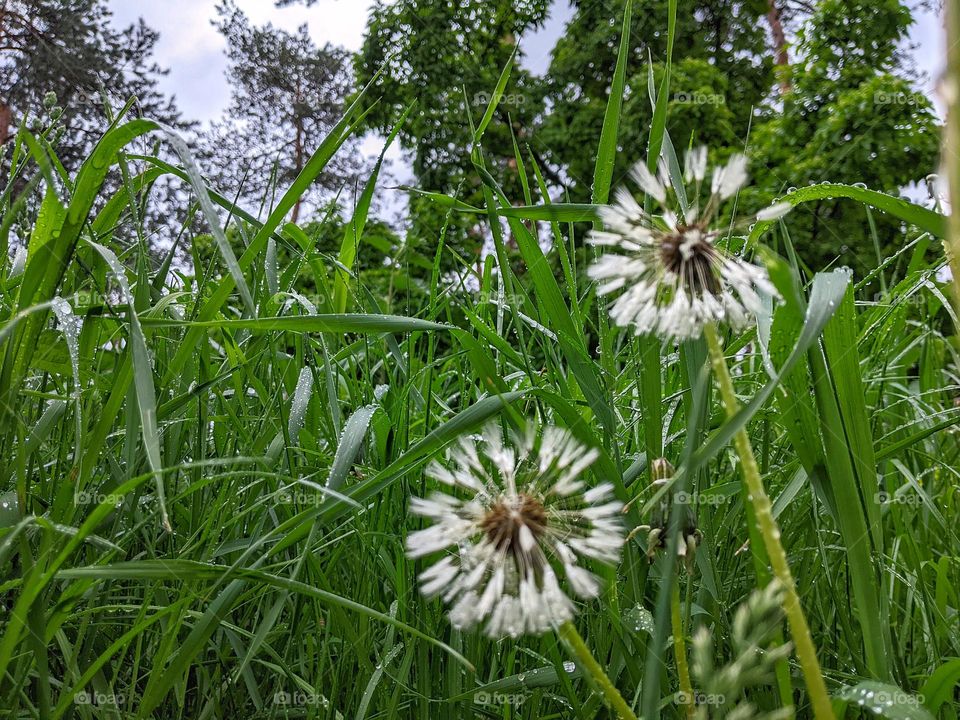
(688, 254)
(504, 519)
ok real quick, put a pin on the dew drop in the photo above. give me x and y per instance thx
(70, 326)
(639, 619)
(301, 398)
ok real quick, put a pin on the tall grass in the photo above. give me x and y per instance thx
(204, 486)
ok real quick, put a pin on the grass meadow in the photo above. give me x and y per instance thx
(206, 469)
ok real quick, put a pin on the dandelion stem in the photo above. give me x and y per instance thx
(680, 649)
(799, 630)
(587, 663)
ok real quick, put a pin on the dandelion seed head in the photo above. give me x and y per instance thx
(669, 274)
(515, 525)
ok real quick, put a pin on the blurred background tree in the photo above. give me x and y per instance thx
(286, 96)
(69, 48)
(447, 58)
(67, 72)
(813, 91)
(851, 115)
(722, 71)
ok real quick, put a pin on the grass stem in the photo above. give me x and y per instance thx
(588, 664)
(680, 650)
(951, 144)
(762, 508)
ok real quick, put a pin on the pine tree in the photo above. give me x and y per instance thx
(68, 48)
(287, 94)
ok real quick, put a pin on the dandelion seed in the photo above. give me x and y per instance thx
(518, 534)
(673, 276)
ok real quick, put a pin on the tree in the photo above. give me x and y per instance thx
(722, 70)
(67, 47)
(841, 109)
(447, 57)
(850, 115)
(287, 94)
(836, 104)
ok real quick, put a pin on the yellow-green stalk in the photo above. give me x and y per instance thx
(589, 665)
(680, 651)
(763, 513)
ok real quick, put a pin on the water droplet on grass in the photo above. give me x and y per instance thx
(639, 619)
(301, 398)
(70, 326)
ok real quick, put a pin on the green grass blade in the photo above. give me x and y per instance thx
(607, 150)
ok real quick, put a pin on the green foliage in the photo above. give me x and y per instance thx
(851, 116)
(446, 57)
(845, 43)
(720, 73)
(849, 113)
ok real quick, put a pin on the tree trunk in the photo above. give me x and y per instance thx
(298, 165)
(780, 57)
(6, 121)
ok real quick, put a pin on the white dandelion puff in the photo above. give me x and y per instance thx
(671, 276)
(730, 178)
(695, 165)
(650, 184)
(516, 531)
